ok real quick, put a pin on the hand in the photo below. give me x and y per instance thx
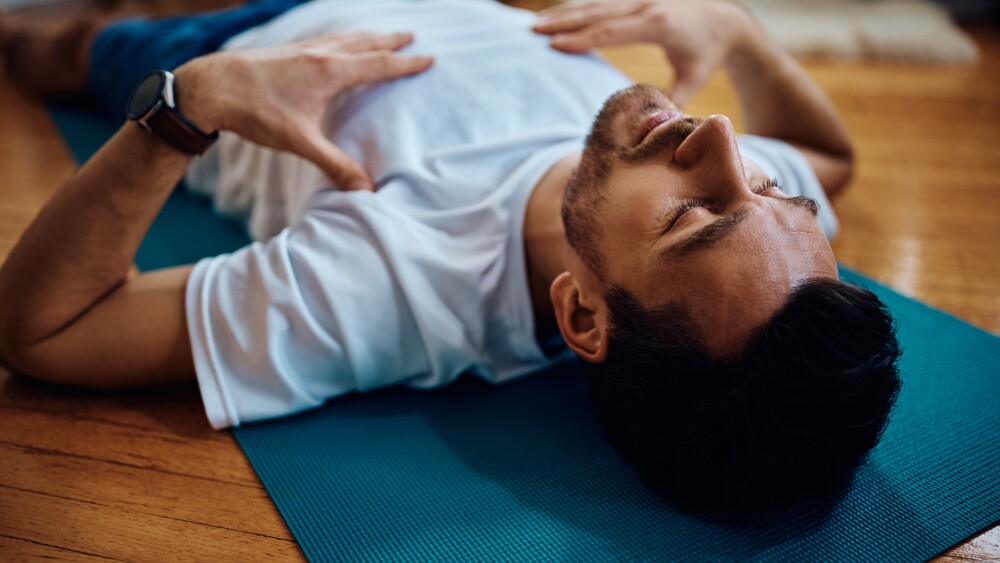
(276, 96)
(697, 36)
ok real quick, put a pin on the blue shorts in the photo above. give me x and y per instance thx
(125, 51)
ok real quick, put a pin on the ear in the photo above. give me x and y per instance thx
(582, 318)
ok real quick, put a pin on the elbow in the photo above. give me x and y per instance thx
(18, 356)
(13, 345)
(844, 176)
(24, 362)
(833, 160)
(21, 354)
(8, 346)
(846, 159)
(12, 353)
(14, 349)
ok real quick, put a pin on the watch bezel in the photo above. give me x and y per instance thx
(164, 95)
(152, 106)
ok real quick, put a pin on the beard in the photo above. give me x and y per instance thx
(615, 138)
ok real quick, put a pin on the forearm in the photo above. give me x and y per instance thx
(80, 246)
(778, 98)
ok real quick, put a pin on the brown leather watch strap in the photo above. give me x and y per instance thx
(171, 126)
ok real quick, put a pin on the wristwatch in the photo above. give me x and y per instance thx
(153, 107)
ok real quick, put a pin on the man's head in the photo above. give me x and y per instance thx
(728, 363)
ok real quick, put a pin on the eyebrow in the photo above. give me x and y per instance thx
(718, 229)
(802, 201)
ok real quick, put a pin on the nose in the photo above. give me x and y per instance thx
(712, 158)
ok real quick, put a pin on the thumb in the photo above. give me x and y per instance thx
(687, 82)
(345, 172)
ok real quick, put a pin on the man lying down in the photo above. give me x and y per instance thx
(461, 217)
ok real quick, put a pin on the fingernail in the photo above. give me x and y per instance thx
(361, 185)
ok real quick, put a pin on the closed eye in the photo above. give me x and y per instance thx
(684, 207)
(770, 184)
(689, 204)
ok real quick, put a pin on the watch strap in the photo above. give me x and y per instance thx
(170, 125)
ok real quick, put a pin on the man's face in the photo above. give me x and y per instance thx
(664, 206)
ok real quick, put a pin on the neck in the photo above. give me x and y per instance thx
(545, 245)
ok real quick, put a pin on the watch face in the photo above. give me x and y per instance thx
(145, 95)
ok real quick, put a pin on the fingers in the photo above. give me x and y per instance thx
(345, 172)
(365, 41)
(360, 41)
(575, 17)
(628, 29)
(384, 65)
(573, 5)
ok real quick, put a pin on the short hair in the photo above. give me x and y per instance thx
(793, 416)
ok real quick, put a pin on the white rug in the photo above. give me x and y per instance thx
(911, 30)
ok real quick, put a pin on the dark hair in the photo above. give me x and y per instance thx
(794, 415)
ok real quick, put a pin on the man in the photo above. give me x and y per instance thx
(687, 267)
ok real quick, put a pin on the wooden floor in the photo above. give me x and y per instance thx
(141, 476)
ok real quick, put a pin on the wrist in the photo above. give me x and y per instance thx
(746, 35)
(195, 96)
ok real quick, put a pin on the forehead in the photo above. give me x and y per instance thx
(777, 244)
(635, 200)
(736, 284)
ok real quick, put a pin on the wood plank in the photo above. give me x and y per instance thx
(205, 455)
(126, 534)
(142, 490)
(16, 550)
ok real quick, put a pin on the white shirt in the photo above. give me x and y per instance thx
(425, 279)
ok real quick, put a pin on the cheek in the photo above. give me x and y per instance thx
(630, 214)
(637, 198)
(631, 220)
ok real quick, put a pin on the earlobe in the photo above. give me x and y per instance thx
(581, 320)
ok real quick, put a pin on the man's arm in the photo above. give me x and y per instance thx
(68, 312)
(778, 98)
(68, 309)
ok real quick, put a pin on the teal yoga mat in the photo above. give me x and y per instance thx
(520, 472)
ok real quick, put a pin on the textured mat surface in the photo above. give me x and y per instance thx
(521, 471)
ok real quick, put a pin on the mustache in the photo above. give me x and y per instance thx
(669, 137)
